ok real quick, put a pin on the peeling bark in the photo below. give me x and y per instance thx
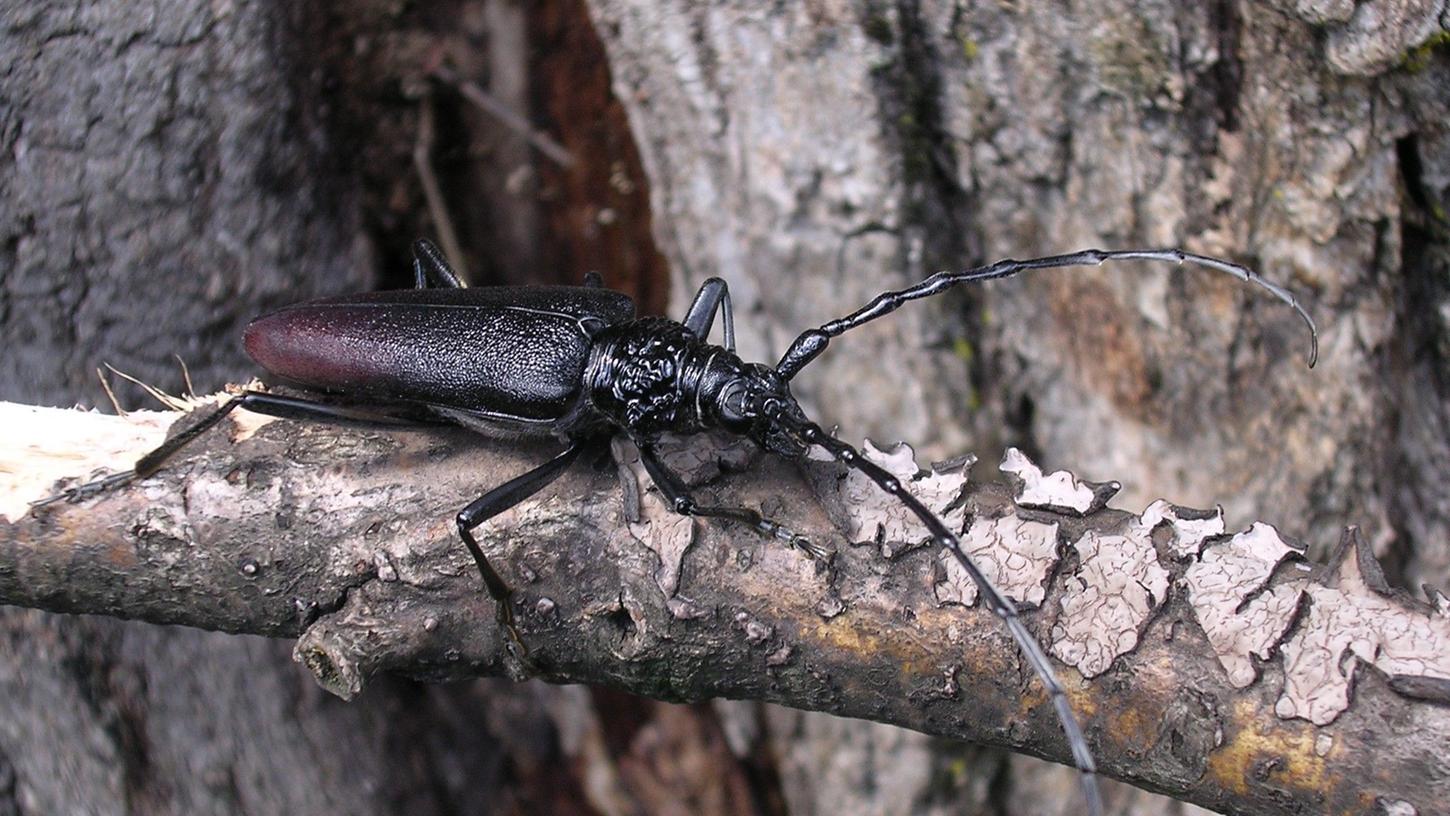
(345, 540)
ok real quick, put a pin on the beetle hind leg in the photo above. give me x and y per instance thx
(259, 402)
(431, 269)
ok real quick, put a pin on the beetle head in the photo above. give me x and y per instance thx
(748, 403)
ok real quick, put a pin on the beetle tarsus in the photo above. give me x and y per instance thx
(794, 540)
(89, 490)
(678, 496)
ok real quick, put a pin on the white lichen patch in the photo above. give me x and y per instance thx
(1355, 621)
(1190, 527)
(1228, 573)
(1058, 491)
(1015, 554)
(870, 514)
(1110, 598)
(652, 521)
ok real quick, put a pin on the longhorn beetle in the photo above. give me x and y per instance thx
(575, 363)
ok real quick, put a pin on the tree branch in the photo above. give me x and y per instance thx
(1221, 669)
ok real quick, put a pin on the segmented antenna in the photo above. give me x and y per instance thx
(1002, 606)
(809, 345)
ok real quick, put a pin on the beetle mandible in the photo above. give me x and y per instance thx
(575, 362)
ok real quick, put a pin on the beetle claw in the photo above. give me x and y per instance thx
(819, 552)
(515, 646)
(91, 489)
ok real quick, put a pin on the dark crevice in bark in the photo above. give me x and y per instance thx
(356, 97)
(622, 715)
(597, 212)
(644, 738)
(937, 212)
(1020, 417)
(9, 797)
(1227, 73)
(999, 788)
(1211, 108)
(1415, 364)
(315, 49)
(117, 697)
(442, 761)
(758, 770)
(762, 770)
(910, 90)
(454, 164)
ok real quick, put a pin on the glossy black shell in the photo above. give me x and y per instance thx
(515, 354)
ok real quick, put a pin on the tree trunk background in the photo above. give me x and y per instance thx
(171, 171)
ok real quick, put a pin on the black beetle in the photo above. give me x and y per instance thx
(575, 362)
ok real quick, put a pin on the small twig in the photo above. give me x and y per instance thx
(437, 206)
(173, 402)
(491, 105)
(106, 385)
(186, 377)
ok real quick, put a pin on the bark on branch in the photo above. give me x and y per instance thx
(1221, 669)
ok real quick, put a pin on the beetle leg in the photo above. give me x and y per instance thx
(255, 401)
(492, 503)
(675, 492)
(431, 269)
(714, 295)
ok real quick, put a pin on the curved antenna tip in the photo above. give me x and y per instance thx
(1313, 334)
(1286, 296)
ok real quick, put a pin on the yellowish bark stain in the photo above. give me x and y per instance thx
(1258, 743)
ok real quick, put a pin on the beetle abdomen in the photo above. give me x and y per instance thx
(484, 350)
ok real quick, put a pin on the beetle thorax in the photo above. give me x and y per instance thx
(653, 375)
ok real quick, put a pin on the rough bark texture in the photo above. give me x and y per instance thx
(345, 539)
(172, 170)
(815, 154)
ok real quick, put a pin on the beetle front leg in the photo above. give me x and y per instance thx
(678, 495)
(492, 503)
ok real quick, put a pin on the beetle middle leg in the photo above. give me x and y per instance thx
(678, 495)
(495, 501)
(430, 267)
(714, 296)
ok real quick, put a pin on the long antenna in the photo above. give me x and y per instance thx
(811, 433)
(809, 345)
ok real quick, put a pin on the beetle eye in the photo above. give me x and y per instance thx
(734, 404)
